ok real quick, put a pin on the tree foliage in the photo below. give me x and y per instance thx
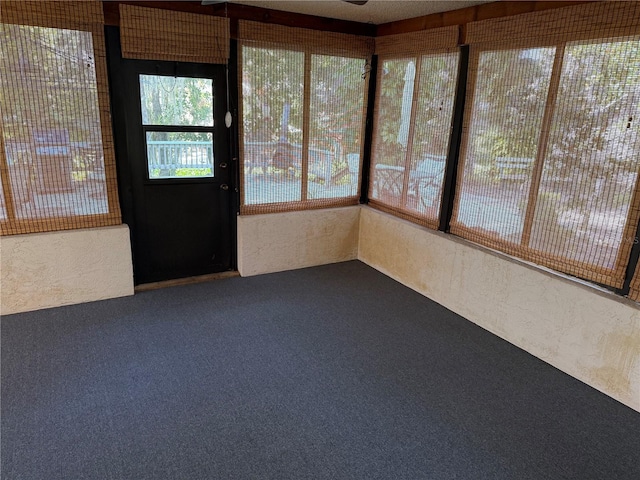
(593, 132)
(431, 111)
(274, 78)
(48, 82)
(509, 102)
(176, 100)
(271, 79)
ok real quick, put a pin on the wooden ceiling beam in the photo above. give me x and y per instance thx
(470, 14)
(244, 12)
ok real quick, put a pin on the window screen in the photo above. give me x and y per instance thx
(550, 163)
(272, 114)
(302, 110)
(56, 148)
(51, 123)
(592, 158)
(413, 122)
(3, 202)
(335, 126)
(502, 141)
(303, 117)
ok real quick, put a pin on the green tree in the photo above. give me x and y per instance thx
(431, 115)
(48, 82)
(271, 79)
(337, 102)
(176, 100)
(508, 107)
(594, 135)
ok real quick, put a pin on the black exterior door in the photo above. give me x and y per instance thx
(173, 161)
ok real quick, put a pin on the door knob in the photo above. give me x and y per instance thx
(223, 165)
(224, 186)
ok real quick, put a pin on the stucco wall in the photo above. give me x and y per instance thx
(589, 334)
(62, 268)
(285, 241)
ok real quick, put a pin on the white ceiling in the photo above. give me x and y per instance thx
(374, 11)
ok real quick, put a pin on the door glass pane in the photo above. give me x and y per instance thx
(179, 154)
(176, 100)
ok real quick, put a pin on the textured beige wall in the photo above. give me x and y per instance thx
(62, 268)
(591, 335)
(285, 241)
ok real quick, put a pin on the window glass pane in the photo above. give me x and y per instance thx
(434, 113)
(592, 159)
(392, 130)
(420, 191)
(272, 104)
(508, 106)
(3, 205)
(336, 119)
(179, 154)
(51, 122)
(176, 100)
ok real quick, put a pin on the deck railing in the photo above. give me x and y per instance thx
(170, 156)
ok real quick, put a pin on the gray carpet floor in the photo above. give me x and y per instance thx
(333, 372)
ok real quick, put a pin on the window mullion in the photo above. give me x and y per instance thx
(412, 125)
(543, 141)
(467, 114)
(306, 113)
(455, 142)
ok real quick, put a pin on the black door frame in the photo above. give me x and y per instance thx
(120, 93)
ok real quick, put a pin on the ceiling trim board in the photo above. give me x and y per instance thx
(469, 14)
(245, 12)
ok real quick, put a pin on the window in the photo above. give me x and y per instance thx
(56, 158)
(550, 139)
(591, 161)
(272, 111)
(552, 153)
(506, 118)
(411, 140)
(3, 202)
(302, 110)
(169, 104)
(336, 123)
(302, 140)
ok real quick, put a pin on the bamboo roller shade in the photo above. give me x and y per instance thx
(156, 34)
(634, 292)
(584, 22)
(69, 15)
(310, 42)
(73, 15)
(607, 276)
(416, 43)
(578, 22)
(634, 287)
(323, 43)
